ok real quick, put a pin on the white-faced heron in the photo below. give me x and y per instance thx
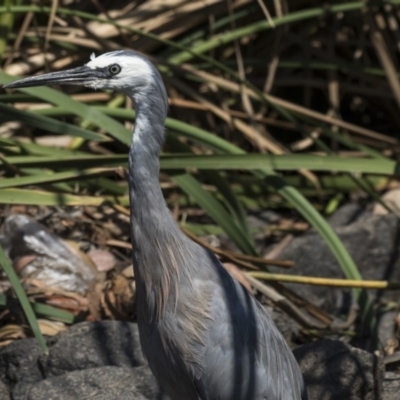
(204, 336)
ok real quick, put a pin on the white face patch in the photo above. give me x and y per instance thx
(135, 72)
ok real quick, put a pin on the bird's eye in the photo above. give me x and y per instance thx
(114, 69)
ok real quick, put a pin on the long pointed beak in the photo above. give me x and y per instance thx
(76, 76)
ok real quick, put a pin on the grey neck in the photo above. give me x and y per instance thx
(154, 232)
(148, 136)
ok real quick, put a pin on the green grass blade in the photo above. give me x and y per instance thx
(42, 178)
(215, 210)
(6, 24)
(231, 201)
(38, 197)
(56, 162)
(53, 313)
(23, 299)
(234, 207)
(46, 311)
(291, 162)
(47, 124)
(113, 128)
(194, 133)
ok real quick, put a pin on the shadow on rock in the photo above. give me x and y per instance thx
(334, 370)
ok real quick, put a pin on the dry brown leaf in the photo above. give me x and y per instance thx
(21, 262)
(74, 306)
(18, 209)
(11, 332)
(118, 300)
(102, 259)
(74, 246)
(392, 345)
(94, 296)
(51, 328)
(40, 288)
(397, 321)
(128, 272)
(392, 200)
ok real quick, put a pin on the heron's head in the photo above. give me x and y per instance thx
(122, 71)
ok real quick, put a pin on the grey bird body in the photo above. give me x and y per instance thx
(204, 336)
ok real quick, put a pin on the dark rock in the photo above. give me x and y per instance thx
(104, 383)
(391, 386)
(94, 344)
(347, 215)
(387, 327)
(4, 392)
(372, 241)
(102, 360)
(19, 362)
(334, 370)
(286, 326)
(146, 383)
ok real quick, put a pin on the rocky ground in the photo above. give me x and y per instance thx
(102, 360)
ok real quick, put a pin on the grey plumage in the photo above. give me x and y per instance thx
(204, 336)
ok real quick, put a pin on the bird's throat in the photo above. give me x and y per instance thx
(153, 229)
(146, 197)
